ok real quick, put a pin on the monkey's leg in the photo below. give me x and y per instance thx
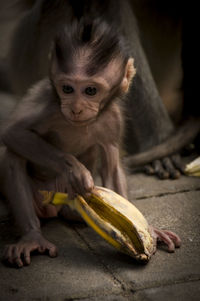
(89, 159)
(17, 190)
(112, 174)
(148, 122)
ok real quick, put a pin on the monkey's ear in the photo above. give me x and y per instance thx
(130, 72)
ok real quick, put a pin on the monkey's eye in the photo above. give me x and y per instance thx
(90, 91)
(67, 89)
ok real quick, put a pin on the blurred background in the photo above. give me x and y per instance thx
(160, 25)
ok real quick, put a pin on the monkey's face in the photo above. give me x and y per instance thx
(81, 98)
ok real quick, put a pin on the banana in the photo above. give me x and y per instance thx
(193, 168)
(113, 217)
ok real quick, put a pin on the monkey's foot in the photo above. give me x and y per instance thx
(169, 238)
(19, 254)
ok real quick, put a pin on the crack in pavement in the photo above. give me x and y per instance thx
(162, 194)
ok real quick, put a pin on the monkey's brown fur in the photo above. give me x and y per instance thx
(52, 138)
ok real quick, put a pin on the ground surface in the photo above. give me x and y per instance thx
(87, 268)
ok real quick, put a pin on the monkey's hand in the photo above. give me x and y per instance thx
(78, 179)
(168, 167)
(169, 238)
(19, 254)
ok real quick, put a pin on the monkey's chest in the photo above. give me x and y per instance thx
(71, 140)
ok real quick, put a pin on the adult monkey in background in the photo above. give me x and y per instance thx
(148, 123)
(52, 137)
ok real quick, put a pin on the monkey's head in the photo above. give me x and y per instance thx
(90, 67)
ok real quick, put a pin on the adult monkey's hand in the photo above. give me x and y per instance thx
(168, 167)
(163, 159)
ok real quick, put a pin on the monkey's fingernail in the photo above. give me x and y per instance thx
(175, 175)
(148, 169)
(53, 252)
(163, 175)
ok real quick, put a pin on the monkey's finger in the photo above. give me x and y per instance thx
(176, 239)
(159, 170)
(17, 257)
(77, 185)
(149, 170)
(12, 256)
(27, 256)
(70, 191)
(19, 262)
(7, 254)
(174, 173)
(53, 251)
(163, 237)
(88, 183)
(41, 249)
(176, 159)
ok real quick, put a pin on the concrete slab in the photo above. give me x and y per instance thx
(144, 186)
(107, 298)
(179, 213)
(87, 268)
(178, 292)
(75, 273)
(182, 291)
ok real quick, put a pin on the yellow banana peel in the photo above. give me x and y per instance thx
(113, 217)
(193, 168)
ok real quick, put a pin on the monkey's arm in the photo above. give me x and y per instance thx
(24, 141)
(21, 135)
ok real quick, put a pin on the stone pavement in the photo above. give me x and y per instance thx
(89, 269)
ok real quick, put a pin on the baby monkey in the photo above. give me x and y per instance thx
(60, 128)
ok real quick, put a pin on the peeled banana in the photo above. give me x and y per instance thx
(113, 217)
(193, 168)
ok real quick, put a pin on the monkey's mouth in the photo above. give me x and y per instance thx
(76, 122)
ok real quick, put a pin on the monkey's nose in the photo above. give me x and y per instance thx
(76, 112)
